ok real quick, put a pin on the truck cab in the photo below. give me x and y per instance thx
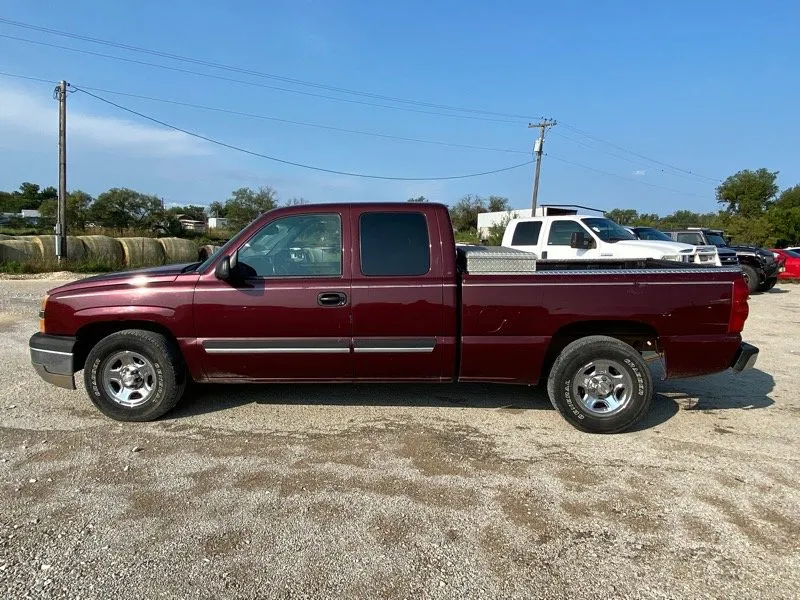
(581, 236)
(759, 266)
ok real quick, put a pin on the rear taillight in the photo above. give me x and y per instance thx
(739, 308)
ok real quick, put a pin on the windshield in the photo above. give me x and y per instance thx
(648, 233)
(716, 239)
(607, 230)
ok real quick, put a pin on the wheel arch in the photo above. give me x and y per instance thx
(638, 334)
(91, 333)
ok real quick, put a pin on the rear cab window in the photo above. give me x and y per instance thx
(394, 244)
(526, 233)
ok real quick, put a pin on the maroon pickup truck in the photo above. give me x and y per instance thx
(382, 293)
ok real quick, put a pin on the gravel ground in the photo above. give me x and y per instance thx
(402, 491)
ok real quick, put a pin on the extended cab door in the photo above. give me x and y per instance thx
(288, 316)
(397, 288)
(555, 246)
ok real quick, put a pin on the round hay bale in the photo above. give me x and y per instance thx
(4, 237)
(104, 249)
(178, 250)
(76, 251)
(19, 251)
(206, 251)
(142, 251)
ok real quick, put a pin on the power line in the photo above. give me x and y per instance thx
(280, 120)
(637, 162)
(288, 162)
(642, 156)
(253, 83)
(255, 73)
(653, 185)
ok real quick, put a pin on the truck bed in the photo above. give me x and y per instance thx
(566, 299)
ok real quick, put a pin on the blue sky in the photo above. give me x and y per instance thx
(710, 87)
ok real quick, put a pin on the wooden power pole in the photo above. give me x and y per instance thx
(538, 149)
(61, 216)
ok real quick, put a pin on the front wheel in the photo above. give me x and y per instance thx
(600, 385)
(768, 284)
(134, 375)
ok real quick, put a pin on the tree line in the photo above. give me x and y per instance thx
(753, 210)
(127, 209)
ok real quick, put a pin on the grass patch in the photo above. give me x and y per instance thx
(42, 266)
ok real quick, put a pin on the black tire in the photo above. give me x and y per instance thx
(751, 278)
(564, 385)
(768, 284)
(167, 379)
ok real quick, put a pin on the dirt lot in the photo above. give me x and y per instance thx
(402, 491)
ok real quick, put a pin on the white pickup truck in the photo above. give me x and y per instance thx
(576, 236)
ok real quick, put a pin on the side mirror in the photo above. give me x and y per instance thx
(227, 268)
(580, 240)
(223, 268)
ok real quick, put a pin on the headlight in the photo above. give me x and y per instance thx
(675, 257)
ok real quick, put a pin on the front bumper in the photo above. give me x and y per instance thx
(745, 357)
(53, 358)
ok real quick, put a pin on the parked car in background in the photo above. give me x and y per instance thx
(759, 265)
(584, 237)
(791, 265)
(381, 293)
(723, 257)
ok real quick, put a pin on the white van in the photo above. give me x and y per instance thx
(578, 236)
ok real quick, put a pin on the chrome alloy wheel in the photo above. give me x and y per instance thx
(603, 387)
(129, 378)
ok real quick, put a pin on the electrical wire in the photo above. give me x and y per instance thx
(253, 83)
(642, 156)
(292, 163)
(278, 119)
(637, 162)
(653, 185)
(255, 73)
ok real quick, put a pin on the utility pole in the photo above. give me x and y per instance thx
(538, 149)
(60, 94)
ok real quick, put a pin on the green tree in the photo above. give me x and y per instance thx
(296, 202)
(216, 209)
(748, 193)
(784, 217)
(418, 199)
(464, 213)
(122, 208)
(623, 216)
(78, 210)
(498, 204)
(245, 204)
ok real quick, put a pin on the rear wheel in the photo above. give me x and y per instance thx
(134, 375)
(600, 385)
(751, 278)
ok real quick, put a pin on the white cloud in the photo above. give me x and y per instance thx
(23, 111)
(639, 172)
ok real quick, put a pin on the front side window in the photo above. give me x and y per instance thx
(716, 240)
(394, 244)
(561, 232)
(308, 245)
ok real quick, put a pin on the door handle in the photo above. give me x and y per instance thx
(332, 299)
